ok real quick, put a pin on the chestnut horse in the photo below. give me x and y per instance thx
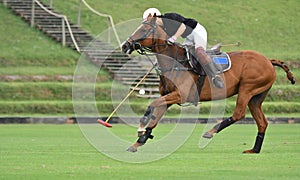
(251, 76)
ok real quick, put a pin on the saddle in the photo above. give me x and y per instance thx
(220, 59)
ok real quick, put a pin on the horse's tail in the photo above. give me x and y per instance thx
(281, 64)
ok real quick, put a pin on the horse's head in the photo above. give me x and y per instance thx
(148, 35)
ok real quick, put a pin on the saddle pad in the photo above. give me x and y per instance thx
(222, 61)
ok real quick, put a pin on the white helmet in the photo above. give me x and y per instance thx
(151, 11)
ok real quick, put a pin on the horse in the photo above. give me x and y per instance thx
(250, 78)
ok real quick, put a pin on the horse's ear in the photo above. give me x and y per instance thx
(154, 18)
(149, 16)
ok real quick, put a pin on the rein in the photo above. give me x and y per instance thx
(143, 50)
(154, 50)
(146, 50)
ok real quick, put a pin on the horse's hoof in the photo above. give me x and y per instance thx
(250, 151)
(208, 135)
(132, 149)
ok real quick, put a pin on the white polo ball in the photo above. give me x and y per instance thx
(142, 91)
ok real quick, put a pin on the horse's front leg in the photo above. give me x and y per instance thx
(153, 114)
(147, 123)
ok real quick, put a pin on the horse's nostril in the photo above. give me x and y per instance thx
(125, 47)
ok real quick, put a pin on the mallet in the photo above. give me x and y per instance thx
(105, 123)
(235, 44)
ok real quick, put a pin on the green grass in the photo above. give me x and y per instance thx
(36, 70)
(46, 91)
(21, 44)
(137, 109)
(62, 152)
(266, 26)
(63, 91)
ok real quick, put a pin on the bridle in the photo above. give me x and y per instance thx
(148, 50)
(136, 45)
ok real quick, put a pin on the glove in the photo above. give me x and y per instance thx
(172, 40)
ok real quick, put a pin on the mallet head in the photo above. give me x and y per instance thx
(104, 123)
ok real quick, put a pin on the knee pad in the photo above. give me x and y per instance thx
(147, 116)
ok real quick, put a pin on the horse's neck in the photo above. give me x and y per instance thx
(173, 51)
(171, 56)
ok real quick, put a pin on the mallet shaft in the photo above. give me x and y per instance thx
(235, 44)
(133, 89)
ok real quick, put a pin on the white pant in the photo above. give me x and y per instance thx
(198, 37)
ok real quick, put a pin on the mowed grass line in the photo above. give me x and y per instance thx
(62, 152)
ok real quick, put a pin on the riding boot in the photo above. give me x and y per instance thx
(211, 71)
(209, 67)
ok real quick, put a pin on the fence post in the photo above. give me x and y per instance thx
(79, 12)
(63, 31)
(50, 3)
(5, 2)
(32, 13)
(108, 30)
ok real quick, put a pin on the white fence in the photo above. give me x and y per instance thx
(65, 22)
(110, 22)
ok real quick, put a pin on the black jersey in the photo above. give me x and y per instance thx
(172, 21)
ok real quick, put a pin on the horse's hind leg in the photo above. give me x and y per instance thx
(239, 113)
(255, 108)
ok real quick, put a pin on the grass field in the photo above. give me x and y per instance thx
(62, 152)
(43, 151)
